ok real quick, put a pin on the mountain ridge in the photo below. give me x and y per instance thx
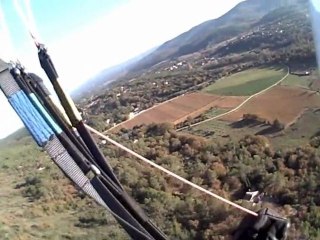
(185, 43)
(213, 31)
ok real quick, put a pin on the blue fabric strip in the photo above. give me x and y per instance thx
(31, 118)
(45, 114)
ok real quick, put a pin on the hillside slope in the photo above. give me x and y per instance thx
(38, 202)
(282, 36)
(234, 22)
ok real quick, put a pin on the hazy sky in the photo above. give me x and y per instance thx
(316, 18)
(86, 36)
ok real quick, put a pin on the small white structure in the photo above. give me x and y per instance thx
(254, 197)
(251, 195)
(131, 115)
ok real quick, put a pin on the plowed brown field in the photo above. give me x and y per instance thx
(180, 108)
(282, 103)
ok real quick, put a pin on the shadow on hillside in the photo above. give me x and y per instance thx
(267, 131)
(271, 67)
(246, 123)
(303, 93)
(263, 128)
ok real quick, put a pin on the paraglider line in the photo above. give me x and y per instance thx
(171, 173)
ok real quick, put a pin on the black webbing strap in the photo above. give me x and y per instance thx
(113, 203)
(73, 114)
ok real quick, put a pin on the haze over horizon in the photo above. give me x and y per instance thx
(102, 34)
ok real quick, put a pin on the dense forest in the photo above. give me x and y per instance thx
(288, 178)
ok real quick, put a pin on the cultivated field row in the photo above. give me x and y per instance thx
(180, 108)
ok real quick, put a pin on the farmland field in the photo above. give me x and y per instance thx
(293, 80)
(179, 109)
(300, 132)
(247, 82)
(215, 112)
(222, 131)
(283, 103)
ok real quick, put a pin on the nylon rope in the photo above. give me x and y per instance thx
(23, 107)
(38, 88)
(27, 19)
(60, 155)
(75, 117)
(51, 144)
(111, 196)
(73, 113)
(77, 174)
(66, 101)
(171, 173)
(79, 178)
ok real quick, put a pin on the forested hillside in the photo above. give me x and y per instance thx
(274, 44)
(289, 179)
(283, 36)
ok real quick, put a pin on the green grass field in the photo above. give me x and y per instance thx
(59, 213)
(214, 112)
(296, 81)
(247, 82)
(300, 132)
(221, 131)
(297, 134)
